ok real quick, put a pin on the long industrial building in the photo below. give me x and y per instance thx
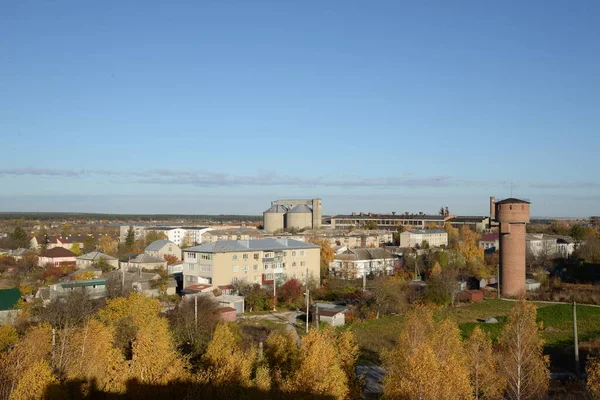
(292, 214)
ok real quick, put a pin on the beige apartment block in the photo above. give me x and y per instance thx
(414, 238)
(255, 261)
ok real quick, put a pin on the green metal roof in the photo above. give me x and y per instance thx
(90, 282)
(9, 298)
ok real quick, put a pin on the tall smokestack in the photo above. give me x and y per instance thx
(492, 208)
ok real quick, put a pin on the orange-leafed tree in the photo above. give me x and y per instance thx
(486, 381)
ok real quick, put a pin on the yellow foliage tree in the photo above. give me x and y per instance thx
(108, 245)
(593, 379)
(76, 248)
(8, 336)
(487, 383)
(429, 362)
(19, 363)
(282, 354)
(523, 362)
(327, 253)
(319, 370)
(227, 364)
(92, 356)
(34, 381)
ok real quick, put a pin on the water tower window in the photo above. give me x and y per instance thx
(510, 207)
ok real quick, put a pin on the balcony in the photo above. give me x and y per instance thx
(272, 259)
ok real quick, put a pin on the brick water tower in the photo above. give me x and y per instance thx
(512, 214)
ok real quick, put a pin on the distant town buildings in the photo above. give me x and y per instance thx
(292, 214)
(176, 234)
(418, 237)
(256, 261)
(356, 263)
(387, 221)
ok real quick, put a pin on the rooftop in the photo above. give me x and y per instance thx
(9, 298)
(88, 282)
(145, 258)
(512, 200)
(96, 255)
(158, 244)
(301, 208)
(225, 246)
(57, 252)
(426, 231)
(393, 216)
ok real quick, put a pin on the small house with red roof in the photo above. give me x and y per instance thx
(57, 256)
(490, 241)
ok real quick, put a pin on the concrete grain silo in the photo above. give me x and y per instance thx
(274, 218)
(299, 217)
(513, 215)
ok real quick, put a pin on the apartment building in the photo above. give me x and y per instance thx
(256, 261)
(176, 234)
(356, 263)
(414, 238)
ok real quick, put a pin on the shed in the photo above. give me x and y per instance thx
(532, 284)
(332, 316)
(227, 314)
(8, 302)
(471, 295)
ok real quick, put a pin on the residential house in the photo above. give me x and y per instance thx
(162, 248)
(145, 262)
(146, 283)
(356, 263)
(9, 299)
(415, 238)
(95, 288)
(94, 258)
(490, 241)
(57, 256)
(50, 242)
(256, 261)
(19, 253)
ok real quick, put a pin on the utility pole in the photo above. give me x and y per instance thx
(575, 338)
(498, 279)
(307, 300)
(274, 292)
(196, 310)
(364, 279)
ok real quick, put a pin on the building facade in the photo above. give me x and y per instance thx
(162, 248)
(255, 261)
(293, 214)
(356, 263)
(415, 238)
(387, 221)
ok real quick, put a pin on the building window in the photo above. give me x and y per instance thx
(245, 268)
(268, 254)
(235, 268)
(191, 266)
(302, 253)
(302, 263)
(234, 257)
(293, 263)
(256, 256)
(245, 256)
(293, 254)
(255, 267)
(205, 268)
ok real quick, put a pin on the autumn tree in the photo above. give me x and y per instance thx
(291, 293)
(320, 370)
(66, 229)
(486, 381)
(152, 236)
(428, 362)
(20, 238)
(282, 354)
(327, 253)
(593, 379)
(76, 248)
(8, 336)
(370, 225)
(108, 245)
(171, 259)
(89, 244)
(227, 364)
(143, 336)
(452, 235)
(130, 239)
(390, 294)
(25, 370)
(93, 358)
(524, 365)
(192, 334)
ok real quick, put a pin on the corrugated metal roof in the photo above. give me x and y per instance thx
(224, 246)
(90, 282)
(301, 208)
(426, 231)
(145, 258)
(96, 255)
(277, 209)
(158, 244)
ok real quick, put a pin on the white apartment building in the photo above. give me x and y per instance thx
(540, 244)
(414, 238)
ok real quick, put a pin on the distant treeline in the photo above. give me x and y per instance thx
(52, 216)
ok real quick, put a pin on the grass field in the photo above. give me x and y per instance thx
(377, 336)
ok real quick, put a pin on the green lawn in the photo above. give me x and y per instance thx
(376, 336)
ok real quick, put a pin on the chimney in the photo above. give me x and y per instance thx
(362, 213)
(393, 212)
(370, 214)
(406, 213)
(354, 213)
(420, 212)
(492, 208)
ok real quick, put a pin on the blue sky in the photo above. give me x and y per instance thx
(222, 106)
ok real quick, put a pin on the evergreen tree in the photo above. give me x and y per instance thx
(130, 238)
(20, 238)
